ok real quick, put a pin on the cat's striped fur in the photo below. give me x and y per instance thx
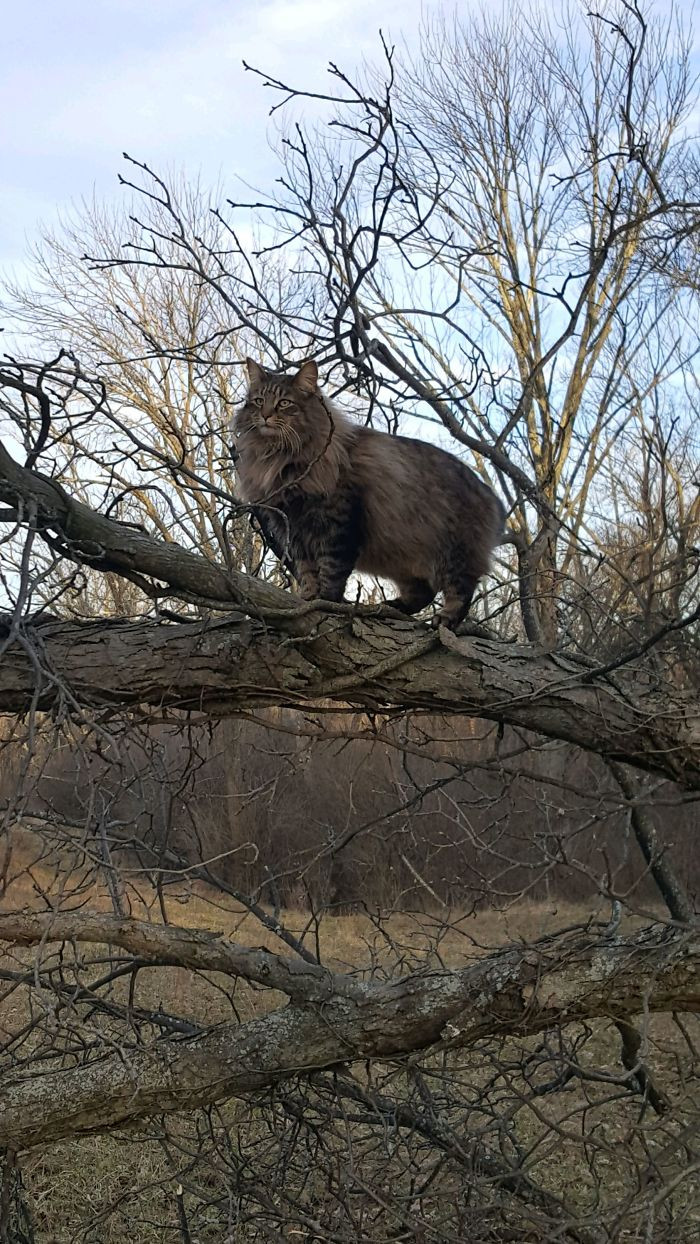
(334, 497)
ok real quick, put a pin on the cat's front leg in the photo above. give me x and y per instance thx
(326, 551)
(307, 576)
(333, 574)
(327, 582)
(338, 549)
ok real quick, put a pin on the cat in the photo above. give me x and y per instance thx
(333, 497)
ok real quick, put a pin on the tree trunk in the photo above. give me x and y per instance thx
(546, 591)
(220, 668)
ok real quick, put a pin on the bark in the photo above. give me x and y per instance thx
(222, 668)
(656, 855)
(180, 947)
(15, 1220)
(520, 990)
(91, 538)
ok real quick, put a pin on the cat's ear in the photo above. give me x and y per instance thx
(306, 378)
(256, 374)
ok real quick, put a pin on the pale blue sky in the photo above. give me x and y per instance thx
(84, 80)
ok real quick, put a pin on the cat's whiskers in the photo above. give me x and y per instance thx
(292, 438)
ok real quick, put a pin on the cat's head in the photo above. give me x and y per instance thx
(285, 421)
(282, 411)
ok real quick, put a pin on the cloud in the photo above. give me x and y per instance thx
(163, 81)
(165, 95)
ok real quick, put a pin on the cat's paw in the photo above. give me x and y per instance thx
(443, 619)
(309, 591)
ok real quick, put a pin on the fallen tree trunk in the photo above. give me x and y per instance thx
(379, 665)
(522, 990)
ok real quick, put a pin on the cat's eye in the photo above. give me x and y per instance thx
(284, 404)
(257, 400)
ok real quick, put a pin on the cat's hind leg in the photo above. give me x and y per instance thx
(415, 594)
(458, 591)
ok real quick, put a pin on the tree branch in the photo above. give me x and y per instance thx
(298, 654)
(523, 990)
(220, 668)
(187, 948)
(92, 539)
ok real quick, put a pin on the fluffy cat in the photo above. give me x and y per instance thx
(333, 497)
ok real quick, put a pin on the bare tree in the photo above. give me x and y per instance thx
(128, 837)
(158, 335)
(496, 1038)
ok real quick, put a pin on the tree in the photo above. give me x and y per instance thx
(160, 448)
(168, 874)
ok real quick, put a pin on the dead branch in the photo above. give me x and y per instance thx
(520, 990)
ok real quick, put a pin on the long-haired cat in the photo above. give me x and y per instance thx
(333, 497)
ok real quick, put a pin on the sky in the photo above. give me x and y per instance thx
(84, 80)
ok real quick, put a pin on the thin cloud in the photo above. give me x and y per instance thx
(165, 82)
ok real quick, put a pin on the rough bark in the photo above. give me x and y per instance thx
(15, 1220)
(519, 990)
(378, 665)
